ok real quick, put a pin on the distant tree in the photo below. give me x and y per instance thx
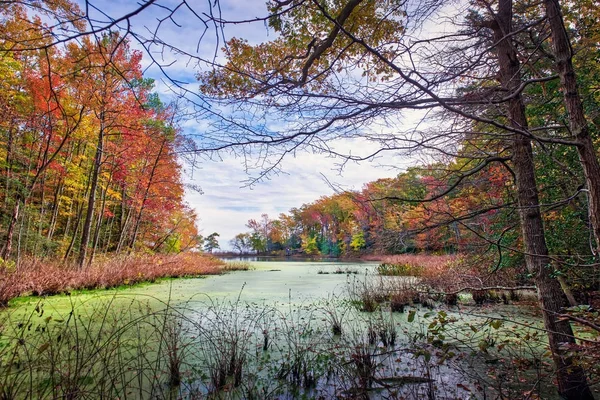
(242, 243)
(261, 233)
(211, 243)
(358, 241)
(258, 243)
(200, 240)
(310, 246)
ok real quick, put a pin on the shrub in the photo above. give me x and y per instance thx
(402, 269)
(451, 299)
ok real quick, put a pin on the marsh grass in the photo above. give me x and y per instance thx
(335, 311)
(367, 292)
(41, 277)
(237, 266)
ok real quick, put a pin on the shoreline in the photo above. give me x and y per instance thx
(36, 277)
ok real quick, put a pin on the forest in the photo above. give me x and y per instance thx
(89, 152)
(496, 102)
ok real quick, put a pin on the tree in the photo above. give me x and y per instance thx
(109, 66)
(358, 241)
(211, 242)
(578, 125)
(261, 233)
(571, 378)
(241, 242)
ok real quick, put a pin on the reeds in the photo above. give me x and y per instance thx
(47, 277)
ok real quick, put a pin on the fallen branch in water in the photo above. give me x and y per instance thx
(483, 288)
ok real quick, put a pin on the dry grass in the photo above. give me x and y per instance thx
(46, 277)
(429, 262)
(236, 266)
(449, 274)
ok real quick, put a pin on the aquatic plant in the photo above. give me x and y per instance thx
(400, 269)
(236, 266)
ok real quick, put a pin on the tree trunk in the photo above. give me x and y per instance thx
(9, 158)
(11, 229)
(124, 228)
(108, 234)
(55, 209)
(89, 215)
(578, 125)
(96, 238)
(42, 215)
(572, 383)
(75, 232)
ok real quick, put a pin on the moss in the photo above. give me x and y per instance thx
(34, 298)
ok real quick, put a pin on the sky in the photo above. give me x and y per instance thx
(227, 202)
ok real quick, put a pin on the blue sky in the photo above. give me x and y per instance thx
(227, 201)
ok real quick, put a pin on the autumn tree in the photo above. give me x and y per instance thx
(88, 153)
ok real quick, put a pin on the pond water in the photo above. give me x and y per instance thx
(269, 333)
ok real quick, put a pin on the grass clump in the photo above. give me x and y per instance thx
(237, 266)
(402, 269)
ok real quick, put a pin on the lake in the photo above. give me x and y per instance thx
(280, 330)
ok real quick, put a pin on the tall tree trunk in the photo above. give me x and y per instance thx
(578, 125)
(89, 215)
(99, 220)
(55, 208)
(108, 235)
(11, 229)
(9, 160)
(75, 232)
(572, 383)
(124, 227)
(42, 214)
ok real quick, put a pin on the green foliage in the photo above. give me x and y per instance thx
(211, 242)
(242, 242)
(172, 244)
(7, 266)
(310, 246)
(258, 243)
(358, 241)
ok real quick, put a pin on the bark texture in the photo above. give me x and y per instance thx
(578, 125)
(572, 382)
